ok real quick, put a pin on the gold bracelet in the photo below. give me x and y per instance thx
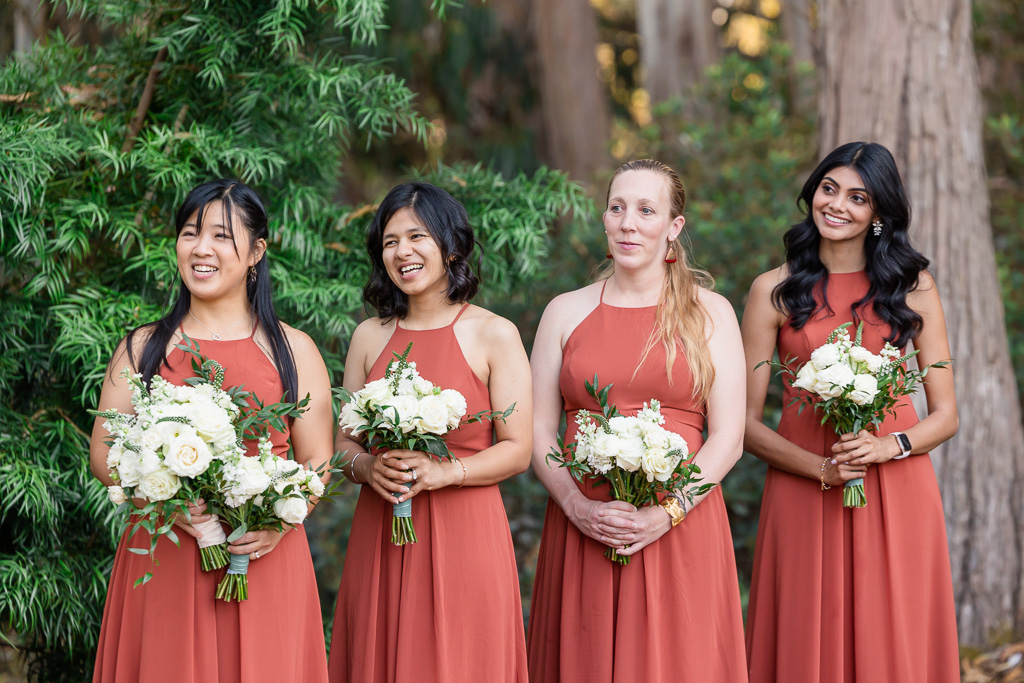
(464, 473)
(824, 486)
(674, 509)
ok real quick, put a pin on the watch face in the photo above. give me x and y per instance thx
(904, 442)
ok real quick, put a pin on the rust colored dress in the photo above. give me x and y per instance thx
(850, 595)
(446, 609)
(673, 613)
(172, 629)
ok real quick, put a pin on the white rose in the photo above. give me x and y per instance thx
(114, 456)
(188, 456)
(149, 462)
(655, 436)
(433, 415)
(171, 430)
(833, 380)
(677, 443)
(825, 356)
(606, 446)
(631, 452)
(350, 419)
(315, 485)
(658, 465)
(116, 495)
(160, 484)
(423, 387)
(373, 393)
(291, 509)
(152, 439)
(406, 406)
(806, 377)
(226, 438)
(208, 418)
(456, 403)
(128, 468)
(865, 388)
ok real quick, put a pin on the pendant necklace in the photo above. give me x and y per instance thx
(217, 337)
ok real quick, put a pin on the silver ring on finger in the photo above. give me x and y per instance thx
(256, 554)
(414, 474)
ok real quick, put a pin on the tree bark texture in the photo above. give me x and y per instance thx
(904, 74)
(574, 101)
(678, 42)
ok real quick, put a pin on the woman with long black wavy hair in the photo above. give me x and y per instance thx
(172, 628)
(850, 594)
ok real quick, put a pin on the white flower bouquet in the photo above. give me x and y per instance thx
(635, 455)
(404, 411)
(853, 389)
(169, 452)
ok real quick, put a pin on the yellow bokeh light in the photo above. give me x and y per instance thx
(605, 54)
(629, 56)
(640, 106)
(748, 33)
(753, 81)
(770, 8)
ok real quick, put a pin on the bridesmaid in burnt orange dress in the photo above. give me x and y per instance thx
(447, 608)
(652, 329)
(172, 629)
(850, 594)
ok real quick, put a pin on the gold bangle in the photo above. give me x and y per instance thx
(464, 473)
(824, 486)
(674, 510)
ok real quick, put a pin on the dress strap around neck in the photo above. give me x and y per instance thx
(459, 314)
(603, 285)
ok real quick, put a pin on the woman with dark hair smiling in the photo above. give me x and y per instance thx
(850, 594)
(446, 608)
(172, 628)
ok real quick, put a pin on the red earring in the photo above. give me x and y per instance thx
(607, 252)
(670, 257)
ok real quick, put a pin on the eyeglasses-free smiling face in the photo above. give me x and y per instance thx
(639, 221)
(211, 264)
(841, 208)
(411, 257)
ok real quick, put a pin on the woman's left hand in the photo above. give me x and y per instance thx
(652, 522)
(864, 448)
(425, 473)
(256, 544)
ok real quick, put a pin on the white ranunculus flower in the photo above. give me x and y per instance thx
(128, 468)
(171, 430)
(315, 485)
(252, 479)
(825, 356)
(423, 386)
(865, 388)
(678, 443)
(655, 436)
(291, 509)
(631, 452)
(456, 403)
(114, 456)
(606, 446)
(226, 438)
(658, 464)
(116, 495)
(433, 415)
(152, 439)
(833, 380)
(350, 419)
(374, 393)
(149, 462)
(161, 484)
(188, 456)
(806, 377)
(407, 407)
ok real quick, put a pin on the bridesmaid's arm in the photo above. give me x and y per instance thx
(760, 327)
(942, 421)
(311, 433)
(604, 522)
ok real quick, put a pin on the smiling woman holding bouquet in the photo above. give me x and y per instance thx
(173, 628)
(445, 607)
(850, 593)
(653, 329)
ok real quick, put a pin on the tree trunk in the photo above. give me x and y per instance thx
(678, 41)
(904, 74)
(795, 28)
(576, 111)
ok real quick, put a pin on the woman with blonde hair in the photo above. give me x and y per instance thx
(652, 328)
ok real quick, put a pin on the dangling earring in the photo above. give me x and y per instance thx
(608, 252)
(877, 225)
(670, 256)
(252, 274)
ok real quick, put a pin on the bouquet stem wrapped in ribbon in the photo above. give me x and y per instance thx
(635, 455)
(853, 389)
(405, 411)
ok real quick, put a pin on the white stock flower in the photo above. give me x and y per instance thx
(291, 509)
(658, 464)
(825, 356)
(806, 377)
(433, 415)
(631, 452)
(161, 484)
(456, 403)
(865, 388)
(188, 456)
(833, 380)
(116, 495)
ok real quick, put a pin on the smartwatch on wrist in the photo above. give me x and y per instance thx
(904, 443)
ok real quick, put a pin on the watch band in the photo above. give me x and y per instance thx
(904, 443)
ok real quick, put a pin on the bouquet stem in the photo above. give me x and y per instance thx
(853, 494)
(613, 555)
(402, 531)
(235, 584)
(213, 546)
(213, 557)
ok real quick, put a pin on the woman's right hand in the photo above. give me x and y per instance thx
(839, 474)
(197, 512)
(605, 522)
(387, 476)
